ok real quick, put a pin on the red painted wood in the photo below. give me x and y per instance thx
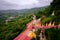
(23, 35)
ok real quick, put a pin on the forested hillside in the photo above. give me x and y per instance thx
(10, 29)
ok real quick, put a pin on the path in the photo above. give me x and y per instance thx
(23, 35)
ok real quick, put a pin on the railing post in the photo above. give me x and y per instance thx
(42, 35)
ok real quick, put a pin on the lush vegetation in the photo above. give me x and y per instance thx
(8, 31)
(11, 29)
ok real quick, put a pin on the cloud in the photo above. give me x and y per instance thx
(22, 4)
(5, 5)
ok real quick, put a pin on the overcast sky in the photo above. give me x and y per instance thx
(23, 4)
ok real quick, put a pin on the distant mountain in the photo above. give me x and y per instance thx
(5, 14)
(23, 10)
(9, 13)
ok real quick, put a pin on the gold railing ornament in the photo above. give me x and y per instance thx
(49, 24)
(42, 25)
(31, 34)
(53, 24)
(52, 13)
(37, 25)
(46, 24)
(59, 24)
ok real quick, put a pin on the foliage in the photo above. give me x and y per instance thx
(14, 27)
(10, 30)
